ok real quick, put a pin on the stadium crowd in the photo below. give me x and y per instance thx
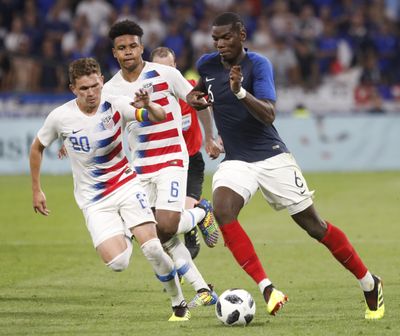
(308, 41)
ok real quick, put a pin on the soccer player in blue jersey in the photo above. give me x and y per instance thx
(240, 88)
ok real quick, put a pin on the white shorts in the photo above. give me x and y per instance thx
(279, 178)
(167, 189)
(124, 209)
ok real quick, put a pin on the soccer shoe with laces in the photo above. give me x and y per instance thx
(180, 313)
(204, 298)
(192, 242)
(374, 301)
(207, 225)
(275, 299)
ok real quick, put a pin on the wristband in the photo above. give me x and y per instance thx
(141, 115)
(241, 94)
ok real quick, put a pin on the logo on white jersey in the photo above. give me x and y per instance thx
(108, 121)
(148, 87)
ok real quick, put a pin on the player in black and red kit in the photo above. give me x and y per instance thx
(241, 90)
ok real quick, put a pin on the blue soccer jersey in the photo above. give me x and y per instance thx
(245, 138)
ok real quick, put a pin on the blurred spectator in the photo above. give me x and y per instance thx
(5, 67)
(126, 13)
(301, 112)
(386, 44)
(309, 27)
(33, 29)
(201, 38)
(8, 10)
(23, 74)
(376, 103)
(174, 39)
(357, 36)
(220, 5)
(79, 37)
(308, 66)
(370, 80)
(154, 29)
(282, 57)
(283, 22)
(262, 38)
(119, 4)
(392, 9)
(98, 13)
(327, 47)
(3, 33)
(16, 35)
(370, 72)
(51, 73)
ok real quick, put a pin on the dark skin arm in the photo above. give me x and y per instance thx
(261, 109)
(195, 98)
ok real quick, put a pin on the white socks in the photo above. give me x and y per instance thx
(184, 263)
(164, 268)
(367, 282)
(189, 219)
(263, 284)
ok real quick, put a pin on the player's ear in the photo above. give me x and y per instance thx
(114, 52)
(243, 35)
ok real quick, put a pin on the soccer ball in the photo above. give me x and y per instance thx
(235, 307)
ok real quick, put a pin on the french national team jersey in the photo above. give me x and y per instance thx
(94, 146)
(244, 137)
(156, 145)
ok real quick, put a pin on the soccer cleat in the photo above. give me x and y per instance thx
(207, 225)
(374, 301)
(204, 298)
(192, 242)
(180, 313)
(275, 299)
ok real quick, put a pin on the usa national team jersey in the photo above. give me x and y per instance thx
(156, 145)
(94, 146)
(244, 137)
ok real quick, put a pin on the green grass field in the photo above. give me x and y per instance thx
(53, 283)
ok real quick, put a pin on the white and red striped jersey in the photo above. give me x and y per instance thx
(156, 145)
(94, 146)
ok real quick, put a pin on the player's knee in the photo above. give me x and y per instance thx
(166, 230)
(224, 214)
(121, 261)
(152, 249)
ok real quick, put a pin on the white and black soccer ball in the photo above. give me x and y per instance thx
(235, 307)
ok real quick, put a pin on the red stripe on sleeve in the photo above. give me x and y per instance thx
(162, 135)
(160, 87)
(156, 167)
